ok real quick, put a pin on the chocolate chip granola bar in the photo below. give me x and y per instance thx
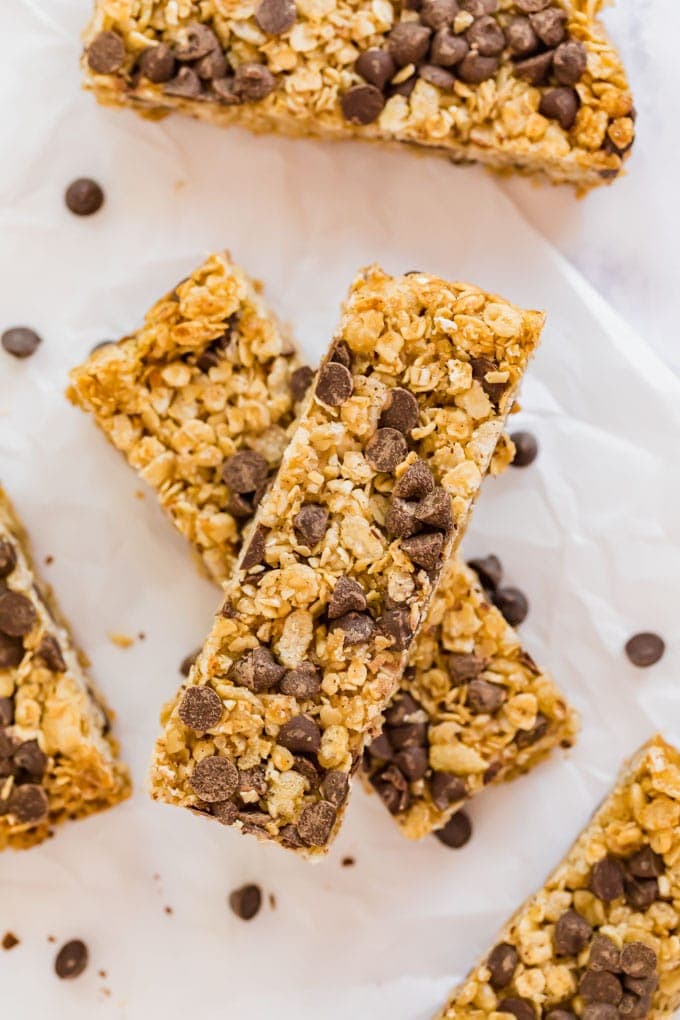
(58, 759)
(531, 85)
(601, 939)
(402, 420)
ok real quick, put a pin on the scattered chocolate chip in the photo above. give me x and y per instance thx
(380, 748)
(72, 959)
(17, 614)
(448, 49)
(572, 933)
(240, 506)
(300, 381)
(526, 448)
(645, 863)
(489, 571)
(396, 624)
(106, 53)
(645, 649)
(245, 471)
(255, 552)
(408, 42)
(200, 708)
(521, 37)
(600, 986)
(400, 411)
(402, 708)
(214, 778)
(9, 940)
(502, 963)
(415, 483)
(641, 987)
(641, 893)
(550, 25)
(11, 651)
(413, 762)
(334, 384)
(357, 627)
(302, 682)
(50, 652)
(437, 76)
(290, 837)
(6, 711)
(435, 510)
(308, 769)
(569, 62)
(456, 832)
(29, 804)
(348, 596)
(30, 759)
(446, 789)
(347, 862)
(301, 734)
(520, 1008)
(486, 36)
(224, 811)
(604, 955)
(512, 603)
(335, 787)
(341, 353)
(424, 550)
(8, 558)
(223, 89)
(310, 524)
(185, 85)
(253, 780)
(400, 519)
(84, 196)
(560, 104)
(212, 65)
(638, 960)
(600, 1011)
(157, 63)
(201, 40)
(275, 16)
(474, 68)
(246, 901)
(386, 449)
(525, 738)
(484, 697)
(392, 786)
(20, 342)
(253, 81)
(409, 734)
(376, 67)
(257, 670)
(316, 823)
(438, 13)
(532, 6)
(606, 879)
(535, 69)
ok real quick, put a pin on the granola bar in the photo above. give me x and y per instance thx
(601, 939)
(473, 708)
(58, 759)
(331, 588)
(199, 400)
(529, 85)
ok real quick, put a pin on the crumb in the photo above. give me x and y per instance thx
(121, 640)
(156, 877)
(168, 910)
(139, 494)
(9, 940)
(141, 636)
(272, 901)
(179, 185)
(347, 862)
(106, 992)
(49, 559)
(102, 973)
(51, 938)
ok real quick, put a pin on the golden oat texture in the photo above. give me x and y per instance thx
(331, 588)
(604, 931)
(528, 85)
(58, 759)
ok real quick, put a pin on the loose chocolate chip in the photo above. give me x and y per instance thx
(638, 960)
(200, 708)
(512, 603)
(380, 749)
(424, 550)
(245, 471)
(257, 670)
(316, 823)
(29, 804)
(536, 69)
(446, 789)
(408, 42)
(11, 651)
(484, 697)
(532, 6)
(335, 787)
(6, 712)
(560, 104)
(30, 759)
(456, 833)
(502, 963)
(50, 652)
(186, 84)
(356, 627)
(84, 196)
(600, 986)
(386, 449)
(400, 411)
(106, 53)
(301, 734)
(435, 510)
(212, 65)
(214, 779)
(645, 863)
(645, 649)
(348, 596)
(520, 1008)
(489, 570)
(604, 955)
(376, 67)
(550, 25)
(20, 342)
(246, 901)
(410, 734)
(400, 519)
(572, 933)
(474, 68)
(521, 37)
(569, 62)
(641, 893)
(17, 614)
(72, 959)
(253, 81)
(402, 709)
(486, 36)
(438, 13)
(334, 384)
(413, 762)
(255, 553)
(448, 49)
(302, 682)
(310, 524)
(415, 483)
(300, 381)
(606, 879)
(225, 811)
(396, 625)
(275, 16)
(157, 63)
(201, 40)
(600, 1011)
(8, 558)
(526, 448)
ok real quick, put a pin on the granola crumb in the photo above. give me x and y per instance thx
(10, 940)
(119, 639)
(347, 862)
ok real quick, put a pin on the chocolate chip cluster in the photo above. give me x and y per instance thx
(466, 40)
(614, 983)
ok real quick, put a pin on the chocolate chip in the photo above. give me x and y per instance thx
(30, 759)
(531, 6)
(240, 506)
(201, 40)
(335, 787)
(641, 893)
(606, 879)
(380, 748)
(525, 738)
(302, 682)
(72, 959)
(400, 411)
(245, 471)
(185, 85)
(489, 570)
(550, 25)
(257, 670)
(560, 104)
(415, 483)
(223, 89)
(8, 558)
(341, 353)
(502, 963)
(316, 823)
(392, 786)
(225, 811)
(157, 63)
(301, 734)
(212, 65)
(413, 762)
(572, 933)
(456, 833)
(255, 552)
(9, 940)
(275, 16)
(520, 1008)
(569, 62)
(50, 652)
(437, 76)
(200, 708)
(396, 625)
(334, 384)
(357, 627)
(600, 1011)
(512, 603)
(521, 37)
(474, 68)
(253, 780)
(438, 13)
(645, 649)
(290, 837)
(484, 697)
(106, 53)
(645, 863)
(424, 550)
(376, 67)
(11, 651)
(246, 901)
(486, 36)
(84, 196)
(254, 822)
(6, 712)
(386, 449)
(638, 960)
(410, 734)
(641, 986)
(632, 1007)
(300, 381)
(435, 510)
(29, 804)
(253, 81)
(17, 614)
(604, 954)
(448, 49)
(446, 789)
(535, 69)
(408, 42)
(400, 519)
(310, 524)
(348, 596)
(20, 342)
(402, 708)
(600, 986)
(214, 778)
(526, 449)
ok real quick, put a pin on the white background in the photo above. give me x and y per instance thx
(591, 531)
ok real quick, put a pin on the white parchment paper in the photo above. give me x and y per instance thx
(591, 532)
